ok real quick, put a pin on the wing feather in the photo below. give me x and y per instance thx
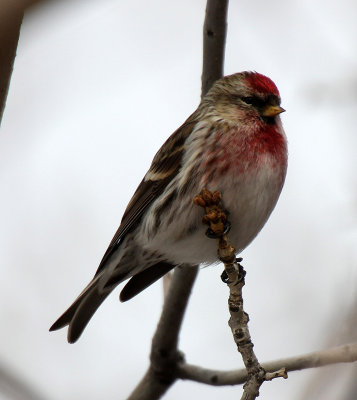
(165, 165)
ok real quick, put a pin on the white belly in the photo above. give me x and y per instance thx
(249, 202)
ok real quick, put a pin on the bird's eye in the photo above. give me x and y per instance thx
(254, 101)
(248, 100)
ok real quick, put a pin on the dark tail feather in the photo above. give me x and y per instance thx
(81, 311)
(66, 317)
(143, 279)
(84, 312)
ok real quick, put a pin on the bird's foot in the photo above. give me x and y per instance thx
(240, 273)
(214, 235)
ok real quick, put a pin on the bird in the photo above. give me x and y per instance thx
(234, 143)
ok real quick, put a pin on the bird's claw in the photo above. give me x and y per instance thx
(241, 271)
(227, 227)
(224, 277)
(240, 274)
(213, 235)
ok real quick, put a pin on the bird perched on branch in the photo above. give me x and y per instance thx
(234, 142)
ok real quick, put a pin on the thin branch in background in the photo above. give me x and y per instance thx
(11, 15)
(10, 24)
(340, 354)
(15, 388)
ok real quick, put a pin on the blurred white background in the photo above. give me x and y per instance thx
(97, 88)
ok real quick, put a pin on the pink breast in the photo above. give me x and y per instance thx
(237, 152)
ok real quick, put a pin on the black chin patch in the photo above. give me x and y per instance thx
(269, 120)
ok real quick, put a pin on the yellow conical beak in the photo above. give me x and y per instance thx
(272, 111)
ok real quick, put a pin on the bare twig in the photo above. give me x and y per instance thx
(340, 354)
(234, 274)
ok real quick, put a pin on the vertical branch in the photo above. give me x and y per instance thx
(165, 356)
(214, 39)
(10, 24)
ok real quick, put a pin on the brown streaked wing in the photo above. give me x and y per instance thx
(164, 167)
(169, 155)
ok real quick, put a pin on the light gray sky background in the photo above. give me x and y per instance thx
(97, 88)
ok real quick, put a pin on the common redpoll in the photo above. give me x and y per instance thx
(234, 142)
